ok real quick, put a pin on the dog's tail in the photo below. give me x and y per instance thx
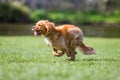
(86, 50)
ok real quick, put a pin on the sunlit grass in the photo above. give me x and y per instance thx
(28, 58)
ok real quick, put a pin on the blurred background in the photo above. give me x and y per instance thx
(97, 18)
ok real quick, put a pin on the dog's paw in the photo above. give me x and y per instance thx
(57, 54)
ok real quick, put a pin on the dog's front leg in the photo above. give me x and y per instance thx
(56, 53)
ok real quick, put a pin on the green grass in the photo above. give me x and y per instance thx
(28, 58)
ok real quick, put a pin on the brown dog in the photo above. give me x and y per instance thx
(62, 39)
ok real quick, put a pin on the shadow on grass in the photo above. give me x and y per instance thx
(53, 61)
(91, 59)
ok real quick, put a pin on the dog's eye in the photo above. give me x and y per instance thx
(39, 25)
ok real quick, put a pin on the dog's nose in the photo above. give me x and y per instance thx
(33, 28)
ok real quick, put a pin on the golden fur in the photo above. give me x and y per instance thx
(62, 39)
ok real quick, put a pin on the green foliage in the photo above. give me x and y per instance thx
(10, 13)
(38, 14)
(28, 58)
(21, 13)
(77, 17)
(113, 17)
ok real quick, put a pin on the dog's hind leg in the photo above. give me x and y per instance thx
(72, 47)
(67, 52)
(72, 55)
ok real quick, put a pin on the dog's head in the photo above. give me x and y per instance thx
(43, 27)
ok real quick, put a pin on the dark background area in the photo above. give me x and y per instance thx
(97, 18)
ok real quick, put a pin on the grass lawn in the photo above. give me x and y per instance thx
(29, 58)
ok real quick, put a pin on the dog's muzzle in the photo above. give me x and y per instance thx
(36, 32)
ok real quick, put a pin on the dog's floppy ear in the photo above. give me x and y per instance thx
(49, 26)
(52, 24)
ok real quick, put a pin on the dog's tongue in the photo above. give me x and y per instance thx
(35, 33)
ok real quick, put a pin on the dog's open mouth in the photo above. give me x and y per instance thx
(36, 33)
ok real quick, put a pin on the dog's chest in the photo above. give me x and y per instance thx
(57, 43)
(48, 41)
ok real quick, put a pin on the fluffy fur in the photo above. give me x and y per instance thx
(62, 39)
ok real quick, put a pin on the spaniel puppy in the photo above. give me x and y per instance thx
(63, 39)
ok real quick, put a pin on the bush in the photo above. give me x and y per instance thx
(74, 17)
(10, 13)
(20, 13)
(38, 14)
(113, 17)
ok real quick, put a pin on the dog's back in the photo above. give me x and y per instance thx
(70, 32)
